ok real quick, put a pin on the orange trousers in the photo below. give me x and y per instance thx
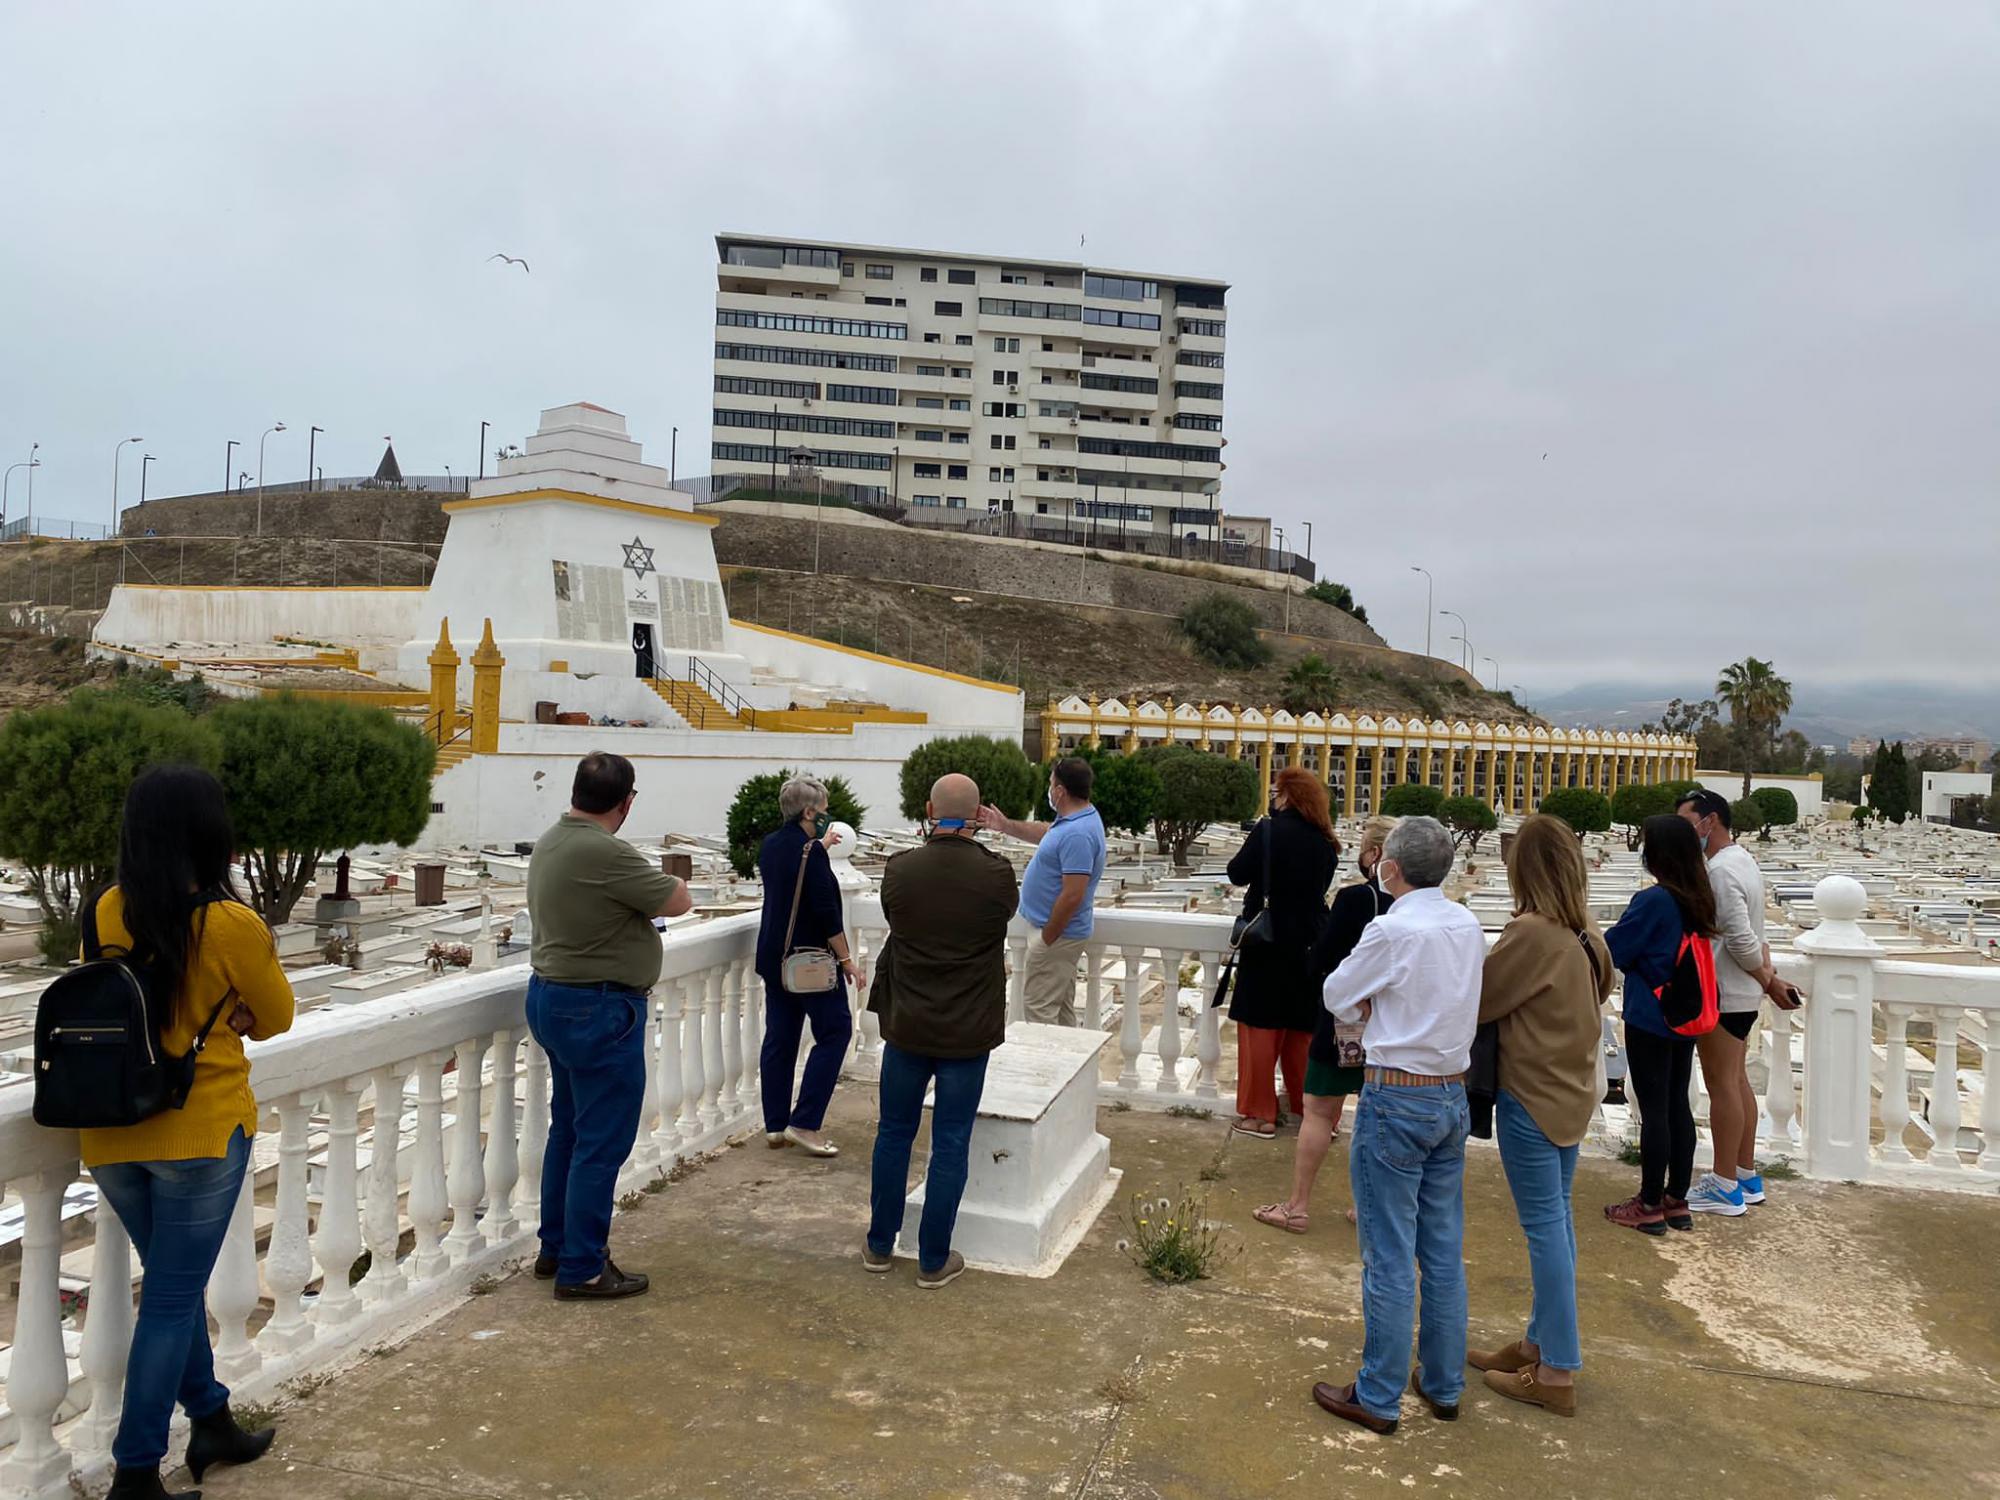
(1261, 1052)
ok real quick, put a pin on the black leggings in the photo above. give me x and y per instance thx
(1660, 1070)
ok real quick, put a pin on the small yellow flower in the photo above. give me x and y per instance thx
(1142, 1223)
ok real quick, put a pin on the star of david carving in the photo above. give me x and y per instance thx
(638, 557)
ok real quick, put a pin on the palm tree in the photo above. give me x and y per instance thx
(1310, 684)
(1758, 700)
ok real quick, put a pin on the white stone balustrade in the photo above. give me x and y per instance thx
(334, 1067)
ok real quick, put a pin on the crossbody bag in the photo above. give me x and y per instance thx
(806, 971)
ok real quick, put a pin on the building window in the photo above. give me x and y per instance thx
(1006, 377)
(854, 328)
(789, 390)
(1198, 390)
(1006, 476)
(1047, 444)
(992, 476)
(961, 372)
(930, 403)
(1207, 328)
(826, 458)
(880, 273)
(901, 302)
(1110, 317)
(956, 471)
(948, 309)
(877, 301)
(1008, 307)
(930, 370)
(930, 435)
(831, 359)
(1048, 346)
(928, 273)
(960, 278)
(994, 442)
(1138, 385)
(1200, 357)
(872, 395)
(1125, 288)
(933, 338)
(958, 437)
(1197, 423)
(776, 255)
(963, 340)
(1006, 346)
(926, 500)
(1126, 448)
(928, 471)
(955, 502)
(781, 422)
(958, 403)
(847, 268)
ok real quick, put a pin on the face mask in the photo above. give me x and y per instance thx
(947, 825)
(821, 822)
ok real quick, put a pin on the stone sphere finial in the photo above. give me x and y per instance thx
(840, 853)
(1840, 898)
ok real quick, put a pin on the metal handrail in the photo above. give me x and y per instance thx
(704, 679)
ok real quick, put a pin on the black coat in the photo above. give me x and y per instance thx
(819, 920)
(1276, 984)
(1354, 907)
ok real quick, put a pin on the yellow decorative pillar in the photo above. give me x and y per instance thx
(1096, 740)
(486, 664)
(444, 685)
(1381, 759)
(1347, 787)
(1264, 776)
(1236, 735)
(1050, 734)
(1508, 798)
(1205, 743)
(1548, 773)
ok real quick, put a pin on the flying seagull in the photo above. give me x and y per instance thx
(511, 260)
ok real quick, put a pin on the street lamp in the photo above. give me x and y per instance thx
(30, 464)
(34, 463)
(1309, 539)
(482, 450)
(673, 454)
(143, 463)
(1496, 671)
(274, 427)
(1465, 634)
(117, 449)
(228, 462)
(1430, 603)
(242, 478)
(312, 453)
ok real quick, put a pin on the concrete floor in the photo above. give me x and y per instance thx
(1838, 1342)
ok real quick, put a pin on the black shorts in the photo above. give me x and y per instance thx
(1738, 1023)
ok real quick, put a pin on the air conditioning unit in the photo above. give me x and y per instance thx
(1072, 421)
(807, 401)
(1173, 338)
(1013, 390)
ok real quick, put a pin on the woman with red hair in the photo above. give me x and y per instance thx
(1287, 864)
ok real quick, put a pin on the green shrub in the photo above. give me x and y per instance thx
(1223, 631)
(1779, 807)
(1125, 792)
(1467, 818)
(1005, 775)
(1412, 799)
(1634, 803)
(1309, 686)
(1339, 596)
(1745, 816)
(1172, 1241)
(754, 815)
(1584, 810)
(1197, 788)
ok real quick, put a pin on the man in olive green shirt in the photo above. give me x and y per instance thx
(596, 957)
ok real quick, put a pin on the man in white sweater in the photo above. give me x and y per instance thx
(1744, 977)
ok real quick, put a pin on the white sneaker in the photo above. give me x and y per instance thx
(1716, 1195)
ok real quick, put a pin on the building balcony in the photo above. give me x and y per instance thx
(1200, 343)
(1194, 406)
(1129, 338)
(928, 385)
(1052, 359)
(1122, 401)
(809, 279)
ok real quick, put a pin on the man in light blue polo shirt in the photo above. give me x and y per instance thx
(1059, 890)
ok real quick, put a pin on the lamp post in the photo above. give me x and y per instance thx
(312, 453)
(1465, 634)
(34, 463)
(1309, 539)
(242, 478)
(228, 461)
(673, 455)
(274, 427)
(144, 461)
(30, 464)
(117, 449)
(1430, 603)
(482, 448)
(1496, 671)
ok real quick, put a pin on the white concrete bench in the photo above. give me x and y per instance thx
(1039, 1173)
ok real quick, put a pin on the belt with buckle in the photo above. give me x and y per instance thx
(1399, 1079)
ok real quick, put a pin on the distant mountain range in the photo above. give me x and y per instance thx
(1825, 713)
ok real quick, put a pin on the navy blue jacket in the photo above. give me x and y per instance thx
(819, 906)
(1644, 944)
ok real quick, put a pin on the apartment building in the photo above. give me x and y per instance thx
(958, 385)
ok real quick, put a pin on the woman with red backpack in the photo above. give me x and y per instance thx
(1661, 944)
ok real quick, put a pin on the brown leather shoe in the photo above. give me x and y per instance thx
(1507, 1359)
(1339, 1399)
(1521, 1385)
(1438, 1409)
(610, 1283)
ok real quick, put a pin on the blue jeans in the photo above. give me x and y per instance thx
(595, 1036)
(176, 1213)
(1407, 1163)
(785, 1016)
(1539, 1174)
(905, 1076)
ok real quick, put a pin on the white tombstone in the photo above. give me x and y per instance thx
(1039, 1173)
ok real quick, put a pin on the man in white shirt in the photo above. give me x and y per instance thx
(1744, 978)
(1414, 978)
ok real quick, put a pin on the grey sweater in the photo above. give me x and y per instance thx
(1739, 914)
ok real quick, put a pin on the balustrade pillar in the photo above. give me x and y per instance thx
(427, 1193)
(1017, 981)
(709, 988)
(288, 1260)
(1895, 1083)
(465, 1184)
(1170, 1020)
(381, 1222)
(1093, 988)
(535, 1130)
(107, 1331)
(646, 1150)
(1840, 1040)
(337, 1243)
(752, 1087)
(691, 1059)
(730, 1102)
(1130, 1037)
(667, 1134)
(1779, 1099)
(503, 1161)
(37, 1371)
(233, 1292)
(1944, 1092)
(1208, 1030)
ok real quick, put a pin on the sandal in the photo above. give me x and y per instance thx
(1256, 1129)
(1280, 1217)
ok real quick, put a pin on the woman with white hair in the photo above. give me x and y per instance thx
(801, 910)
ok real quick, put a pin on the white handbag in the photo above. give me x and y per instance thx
(806, 971)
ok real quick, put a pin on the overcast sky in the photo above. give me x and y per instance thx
(1734, 269)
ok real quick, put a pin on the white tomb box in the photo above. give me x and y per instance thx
(1039, 1172)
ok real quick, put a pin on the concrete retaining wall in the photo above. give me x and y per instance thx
(382, 515)
(145, 615)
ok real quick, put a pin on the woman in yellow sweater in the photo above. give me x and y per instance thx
(1544, 981)
(173, 1179)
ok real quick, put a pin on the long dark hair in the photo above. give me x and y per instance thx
(174, 849)
(1672, 852)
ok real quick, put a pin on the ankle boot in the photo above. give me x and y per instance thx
(218, 1440)
(144, 1484)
